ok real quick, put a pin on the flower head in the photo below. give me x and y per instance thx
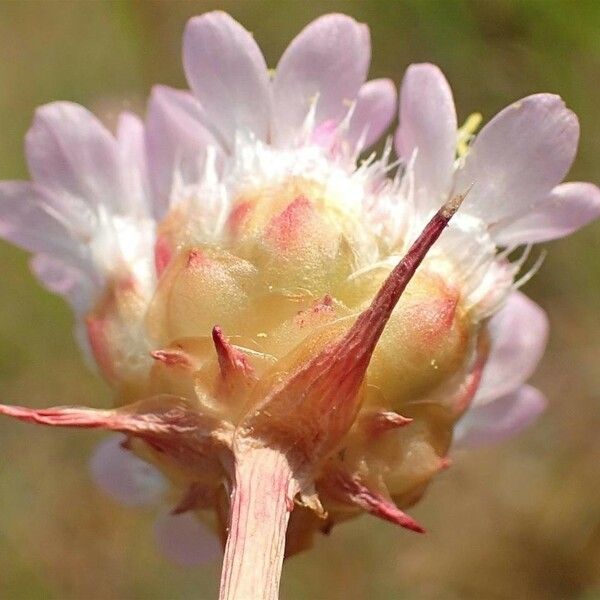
(247, 277)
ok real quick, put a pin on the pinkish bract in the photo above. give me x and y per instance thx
(293, 334)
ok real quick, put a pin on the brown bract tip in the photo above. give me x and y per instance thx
(453, 204)
(378, 422)
(232, 362)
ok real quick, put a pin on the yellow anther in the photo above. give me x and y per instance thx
(467, 132)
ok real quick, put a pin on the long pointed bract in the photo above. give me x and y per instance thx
(314, 407)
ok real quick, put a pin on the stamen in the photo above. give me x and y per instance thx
(534, 269)
(524, 256)
(466, 133)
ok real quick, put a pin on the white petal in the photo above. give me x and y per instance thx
(569, 207)
(329, 59)
(185, 540)
(130, 138)
(374, 111)
(70, 281)
(518, 334)
(123, 476)
(176, 142)
(428, 127)
(500, 419)
(227, 72)
(519, 157)
(71, 153)
(39, 221)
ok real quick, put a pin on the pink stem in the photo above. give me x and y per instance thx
(261, 501)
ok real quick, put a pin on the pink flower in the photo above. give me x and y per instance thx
(270, 307)
(516, 165)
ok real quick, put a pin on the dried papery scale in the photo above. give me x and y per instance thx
(288, 346)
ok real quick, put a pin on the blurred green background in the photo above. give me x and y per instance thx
(520, 520)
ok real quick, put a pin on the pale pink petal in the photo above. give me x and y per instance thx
(58, 229)
(185, 540)
(500, 419)
(70, 281)
(70, 152)
(518, 335)
(569, 207)
(123, 476)
(327, 61)
(519, 157)
(176, 142)
(39, 221)
(325, 134)
(131, 139)
(428, 128)
(374, 111)
(227, 72)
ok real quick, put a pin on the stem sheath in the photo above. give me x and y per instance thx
(259, 514)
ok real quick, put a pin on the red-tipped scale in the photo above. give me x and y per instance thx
(349, 489)
(232, 362)
(378, 422)
(167, 424)
(172, 357)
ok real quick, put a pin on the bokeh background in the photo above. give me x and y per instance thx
(519, 520)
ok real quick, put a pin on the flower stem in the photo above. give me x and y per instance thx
(261, 501)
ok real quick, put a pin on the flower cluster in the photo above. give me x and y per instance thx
(232, 263)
